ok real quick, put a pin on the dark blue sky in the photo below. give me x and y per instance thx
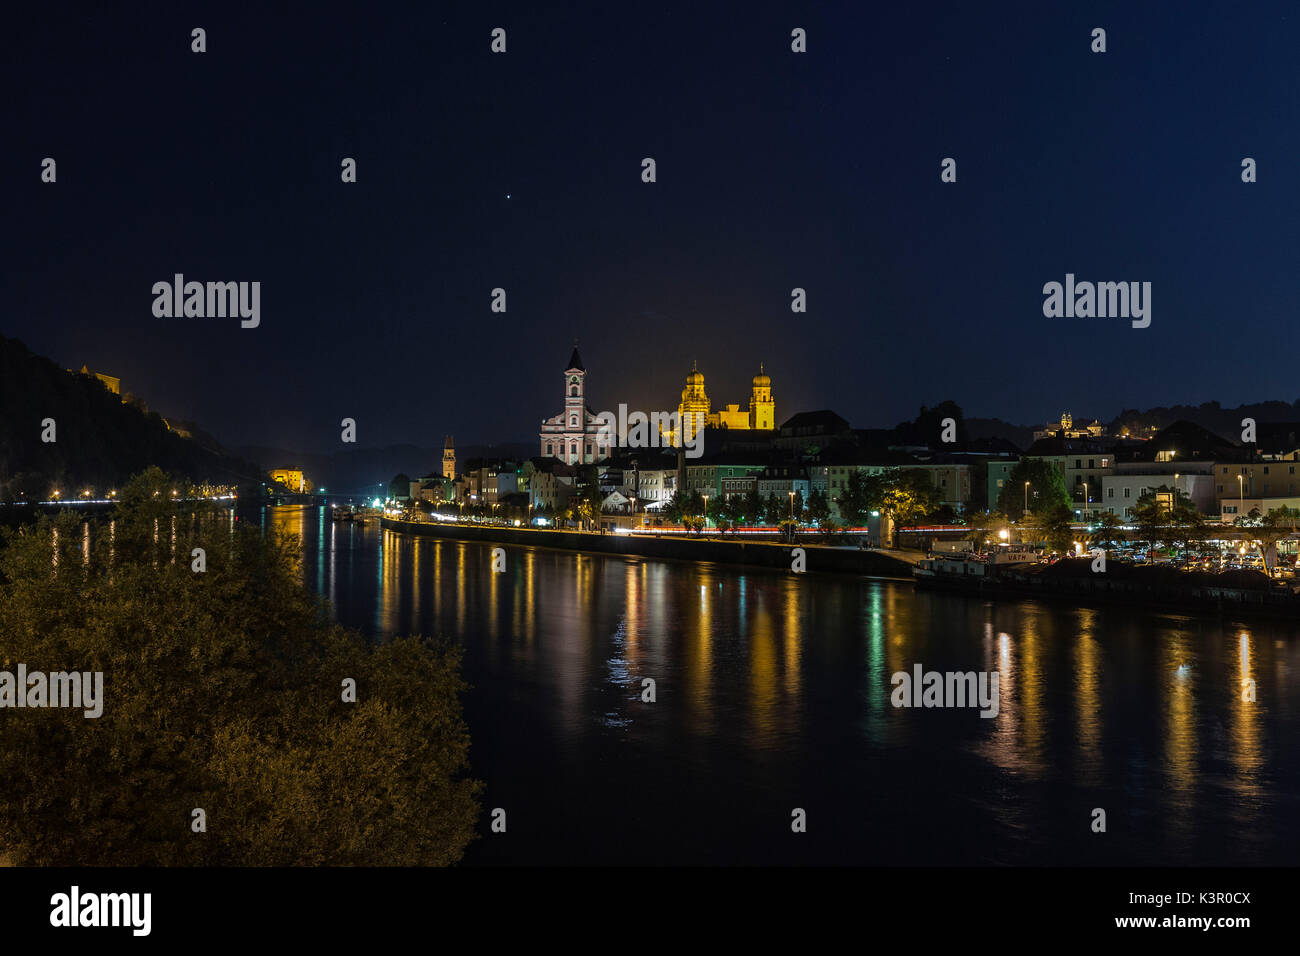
(775, 170)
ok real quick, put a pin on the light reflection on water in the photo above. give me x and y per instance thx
(773, 693)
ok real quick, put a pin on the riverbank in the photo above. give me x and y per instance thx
(746, 553)
(1220, 595)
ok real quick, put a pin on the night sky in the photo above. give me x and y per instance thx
(775, 170)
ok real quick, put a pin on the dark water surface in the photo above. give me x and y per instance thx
(773, 693)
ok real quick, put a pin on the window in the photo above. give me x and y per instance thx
(1128, 493)
(1078, 463)
(1110, 492)
(1092, 463)
(1266, 469)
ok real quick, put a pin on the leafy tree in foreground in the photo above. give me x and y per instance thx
(222, 690)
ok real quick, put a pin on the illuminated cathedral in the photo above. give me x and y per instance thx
(695, 407)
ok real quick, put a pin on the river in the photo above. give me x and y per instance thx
(772, 693)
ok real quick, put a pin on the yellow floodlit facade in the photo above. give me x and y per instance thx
(695, 407)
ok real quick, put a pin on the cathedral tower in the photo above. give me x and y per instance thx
(762, 409)
(694, 407)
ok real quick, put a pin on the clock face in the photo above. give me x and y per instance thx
(574, 380)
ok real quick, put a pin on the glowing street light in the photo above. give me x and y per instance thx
(1026, 496)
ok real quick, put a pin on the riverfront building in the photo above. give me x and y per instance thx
(574, 436)
(695, 407)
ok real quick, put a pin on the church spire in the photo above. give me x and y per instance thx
(575, 360)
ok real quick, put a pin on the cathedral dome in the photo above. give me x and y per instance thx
(761, 380)
(695, 377)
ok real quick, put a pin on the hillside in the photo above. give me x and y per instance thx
(99, 441)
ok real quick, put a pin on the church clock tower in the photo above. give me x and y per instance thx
(449, 459)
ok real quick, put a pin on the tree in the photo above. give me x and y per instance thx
(222, 691)
(1272, 528)
(986, 526)
(777, 510)
(733, 511)
(1030, 527)
(1108, 533)
(399, 487)
(907, 497)
(853, 501)
(718, 514)
(583, 511)
(1166, 517)
(753, 507)
(1046, 488)
(819, 508)
(1055, 528)
(675, 510)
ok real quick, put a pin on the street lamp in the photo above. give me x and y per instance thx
(1085, 502)
(706, 511)
(1026, 497)
(1241, 489)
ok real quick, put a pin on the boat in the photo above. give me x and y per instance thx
(972, 568)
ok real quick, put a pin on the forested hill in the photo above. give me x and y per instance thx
(99, 440)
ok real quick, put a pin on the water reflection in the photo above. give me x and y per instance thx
(773, 688)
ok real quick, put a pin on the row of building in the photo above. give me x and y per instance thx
(818, 451)
(1223, 479)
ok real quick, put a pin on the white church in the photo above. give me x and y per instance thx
(573, 436)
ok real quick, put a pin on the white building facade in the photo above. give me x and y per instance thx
(574, 436)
